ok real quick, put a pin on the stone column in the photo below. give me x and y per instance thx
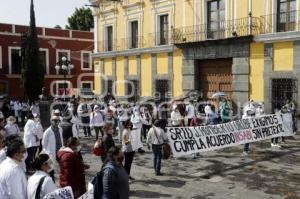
(240, 81)
(268, 68)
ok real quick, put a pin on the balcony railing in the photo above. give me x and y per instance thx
(152, 40)
(217, 30)
(280, 22)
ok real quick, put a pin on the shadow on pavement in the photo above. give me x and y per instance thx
(147, 194)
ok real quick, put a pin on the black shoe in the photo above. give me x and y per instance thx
(159, 174)
(131, 178)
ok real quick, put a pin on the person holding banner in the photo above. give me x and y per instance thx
(156, 137)
(248, 113)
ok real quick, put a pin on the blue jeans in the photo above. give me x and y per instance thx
(246, 147)
(157, 155)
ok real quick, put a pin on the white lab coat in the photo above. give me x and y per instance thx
(49, 142)
(137, 121)
(13, 180)
(30, 134)
(47, 187)
(39, 131)
(97, 119)
(3, 154)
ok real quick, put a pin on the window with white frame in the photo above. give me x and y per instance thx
(59, 55)
(60, 87)
(86, 63)
(87, 85)
(15, 60)
(109, 38)
(44, 60)
(162, 36)
(133, 34)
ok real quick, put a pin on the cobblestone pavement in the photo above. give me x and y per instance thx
(265, 173)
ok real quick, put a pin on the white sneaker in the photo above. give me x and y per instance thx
(277, 145)
(245, 153)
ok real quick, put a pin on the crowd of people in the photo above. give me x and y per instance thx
(30, 160)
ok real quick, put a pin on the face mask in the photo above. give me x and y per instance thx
(25, 155)
(50, 169)
(78, 148)
(120, 159)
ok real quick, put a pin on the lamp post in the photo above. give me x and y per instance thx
(64, 66)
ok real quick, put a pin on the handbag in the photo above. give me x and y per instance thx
(98, 149)
(165, 148)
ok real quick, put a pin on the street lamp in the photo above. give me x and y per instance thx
(64, 66)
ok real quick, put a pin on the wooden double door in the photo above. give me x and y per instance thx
(213, 76)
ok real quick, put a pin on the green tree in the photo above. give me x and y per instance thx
(82, 19)
(32, 70)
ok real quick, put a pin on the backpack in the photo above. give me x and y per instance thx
(97, 181)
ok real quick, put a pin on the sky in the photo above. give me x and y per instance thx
(48, 13)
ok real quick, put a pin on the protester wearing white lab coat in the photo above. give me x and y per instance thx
(50, 145)
(48, 185)
(137, 124)
(30, 134)
(40, 183)
(13, 180)
(49, 142)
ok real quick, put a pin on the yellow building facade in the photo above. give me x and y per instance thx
(166, 48)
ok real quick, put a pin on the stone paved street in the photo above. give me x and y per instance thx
(266, 173)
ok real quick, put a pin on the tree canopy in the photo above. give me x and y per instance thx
(82, 19)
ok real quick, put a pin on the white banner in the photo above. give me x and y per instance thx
(188, 140)
(88, 195)
(62, 193)
(135, 139)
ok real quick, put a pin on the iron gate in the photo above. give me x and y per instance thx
(283, 89)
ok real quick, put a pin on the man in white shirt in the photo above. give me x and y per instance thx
(13, 180)
(156, 137)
